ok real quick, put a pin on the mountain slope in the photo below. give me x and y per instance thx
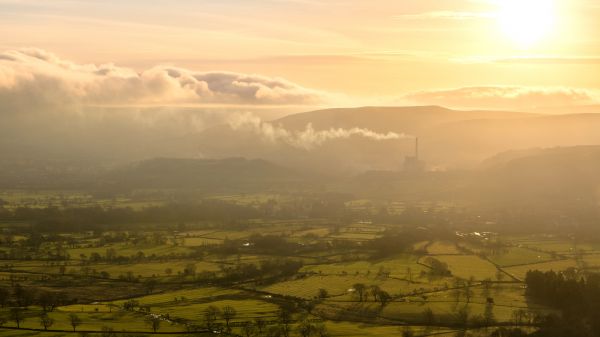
(448, 138)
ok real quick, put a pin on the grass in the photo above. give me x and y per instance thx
(521, 271)
(200, 241)
(247, 309)
(442, 248)
(130, 250)
(467, 266)
(115, 270)
(348, 329)
(171, 297)
(396, 265)
(118, 320)
(518, 256)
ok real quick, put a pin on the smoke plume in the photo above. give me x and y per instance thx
(308, 138)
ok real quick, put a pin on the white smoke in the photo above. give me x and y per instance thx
(308, 138)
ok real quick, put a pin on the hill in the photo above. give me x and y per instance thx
(449, 138)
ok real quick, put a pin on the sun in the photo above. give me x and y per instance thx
(527, 22)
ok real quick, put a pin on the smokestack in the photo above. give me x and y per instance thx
(417, 148)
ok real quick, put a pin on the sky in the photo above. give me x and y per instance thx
(497, 54)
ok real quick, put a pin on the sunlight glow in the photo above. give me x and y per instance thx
(527, 22)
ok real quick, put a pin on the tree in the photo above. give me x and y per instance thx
(407, 332)
(384, 297)
(16, 314)
(488, 314)
(190, 269)
(275, 331)
(360, 290)
(462, 316)
(153, 321)
(499, 275)
(248, 329)
(428, 316)
(108, 332)
(487, 285)
(458, 284)
(518, 316)
(150, 284)
(228, 314)
(285, 319)
(46, 321)
(468, 292)
(4, 295)
(323, 293)
(75, 321)
(130, 305)
(49, 300)
(321, 330)
(375, 290)
(260, 324)
(210, 316)
(305, 328)
(24, 297)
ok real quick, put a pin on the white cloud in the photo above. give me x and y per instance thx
(505, 97)
(449, 15)
(33, 78)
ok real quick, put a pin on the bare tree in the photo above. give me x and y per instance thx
(518, 316)
(153, 321)
(16, 314)
(210, 316)
(249, 329)
(488, 315)
(305, 328)
(108, 332)
(260, 324)
(428, 316)
(46, 321)
(360, 290)
(499, 275)
(285, 319)
(228, 314)
(75, 321)
(407, 332)
(321, 330)
(384, 297)
(462, 316)
(4, 295)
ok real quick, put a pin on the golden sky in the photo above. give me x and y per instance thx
(361, 52)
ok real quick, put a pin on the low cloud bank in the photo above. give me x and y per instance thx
(33, 79)
(505, 97)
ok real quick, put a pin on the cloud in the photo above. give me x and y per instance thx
(308, 138)
(505, 97)
(33, 78)
(446, 15)
(550, 60)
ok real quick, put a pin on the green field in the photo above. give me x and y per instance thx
(467, 266)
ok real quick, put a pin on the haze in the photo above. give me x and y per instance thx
(287, 168)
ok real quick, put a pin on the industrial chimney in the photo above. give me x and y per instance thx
(412, 164)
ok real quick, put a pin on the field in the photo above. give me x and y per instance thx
(328, 274)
